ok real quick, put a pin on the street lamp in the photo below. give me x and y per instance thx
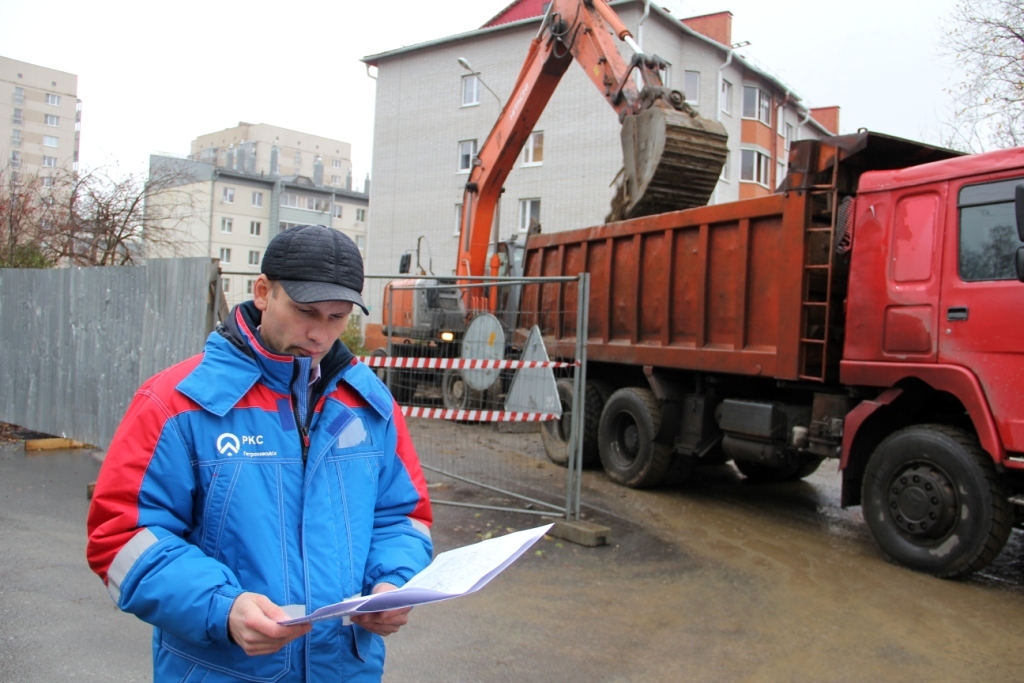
(464, 63)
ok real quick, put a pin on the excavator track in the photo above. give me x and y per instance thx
(672, 160)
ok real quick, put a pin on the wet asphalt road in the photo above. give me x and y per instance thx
(718, 581)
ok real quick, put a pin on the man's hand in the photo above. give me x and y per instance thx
(252, 622)
(383, 623)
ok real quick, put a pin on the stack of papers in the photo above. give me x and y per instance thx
(452, 574)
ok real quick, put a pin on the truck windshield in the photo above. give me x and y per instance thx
(988, 232)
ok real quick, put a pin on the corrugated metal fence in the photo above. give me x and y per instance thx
(75, 343)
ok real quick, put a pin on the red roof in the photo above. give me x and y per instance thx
(518, 9)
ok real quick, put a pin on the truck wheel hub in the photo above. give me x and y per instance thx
(922, 501)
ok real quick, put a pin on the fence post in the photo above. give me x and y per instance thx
(579, 399)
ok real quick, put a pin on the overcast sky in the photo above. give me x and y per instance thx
(154, 75)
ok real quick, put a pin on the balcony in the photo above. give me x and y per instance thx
(15, 142)
(17, 121)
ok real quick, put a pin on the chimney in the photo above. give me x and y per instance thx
(827, 117)
(717, 26)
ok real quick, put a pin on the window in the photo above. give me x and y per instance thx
(533, 152)
(257, 198)
(757, 104)
(15, 138)
(298, 161)
(254, 257)
(780, 173)
(53, 99)
(726, 97)
(787, 134)
(52, 120)
(248, 286)
(290, 200)
(361, 243)
(225, 255)
(298, 201)
(467, 150)
(19, 95)
(254, 228)
(283, 225)
(727, 167)
(335, 180)
(337, 211)
(48, 182)
(225, 283)
(16, 118)
(15, 159)
(988, 232)
(228, 195)
(49, 140)
(665, 73)
(529, 214)
(50, 162)
(458, 219)
(360, 215)
(470, 90)
(755, 166)
(226, 224)
(691, 86)
(336, 163)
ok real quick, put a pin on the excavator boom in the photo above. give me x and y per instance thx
(672, 157)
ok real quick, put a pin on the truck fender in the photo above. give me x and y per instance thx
(952, 379)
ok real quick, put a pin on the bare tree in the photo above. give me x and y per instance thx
(93, 218)
(986, 40)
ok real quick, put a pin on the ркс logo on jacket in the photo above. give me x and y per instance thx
(228, 444)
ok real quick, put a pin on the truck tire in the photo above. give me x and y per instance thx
(456, 393)
(630, 421)
(934, 503)
(802, 466)
(555, 433)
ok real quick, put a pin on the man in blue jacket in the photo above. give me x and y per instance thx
(269, 476)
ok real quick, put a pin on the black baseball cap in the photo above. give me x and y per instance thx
(315, 263)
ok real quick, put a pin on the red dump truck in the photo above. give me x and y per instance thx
(870, 311)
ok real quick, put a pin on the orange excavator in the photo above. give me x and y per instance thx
(672, 158)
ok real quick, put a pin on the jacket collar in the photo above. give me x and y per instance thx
(236, 357)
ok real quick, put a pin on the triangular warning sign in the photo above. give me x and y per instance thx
(533, 390)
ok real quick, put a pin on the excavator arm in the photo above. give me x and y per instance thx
(671, 156)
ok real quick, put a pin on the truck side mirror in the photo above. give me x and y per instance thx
(404, 263)
(1018, 205)
(1020, 263)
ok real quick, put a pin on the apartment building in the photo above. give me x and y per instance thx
(40, 120)
(262, 149)
(232, 215)
(436, 102)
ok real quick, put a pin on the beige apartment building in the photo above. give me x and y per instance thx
(40, 119)
(262, 149)
(232, 215)
(437, 101)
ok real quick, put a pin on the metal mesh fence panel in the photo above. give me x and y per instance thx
(488, 403)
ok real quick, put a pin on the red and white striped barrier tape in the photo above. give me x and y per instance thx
(477, 415)
(458, 363)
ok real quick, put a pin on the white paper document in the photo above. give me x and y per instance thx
(452, 574)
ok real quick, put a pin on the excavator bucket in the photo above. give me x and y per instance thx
(672, 160)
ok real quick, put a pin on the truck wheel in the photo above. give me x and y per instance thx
(934, 503)
(802, 466)
(630, 421)
(555, 433)
(457, 395)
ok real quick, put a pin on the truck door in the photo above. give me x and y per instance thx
(982, 301)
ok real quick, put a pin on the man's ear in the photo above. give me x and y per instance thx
(262, 290)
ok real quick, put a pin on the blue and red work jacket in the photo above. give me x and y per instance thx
(229, 474)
